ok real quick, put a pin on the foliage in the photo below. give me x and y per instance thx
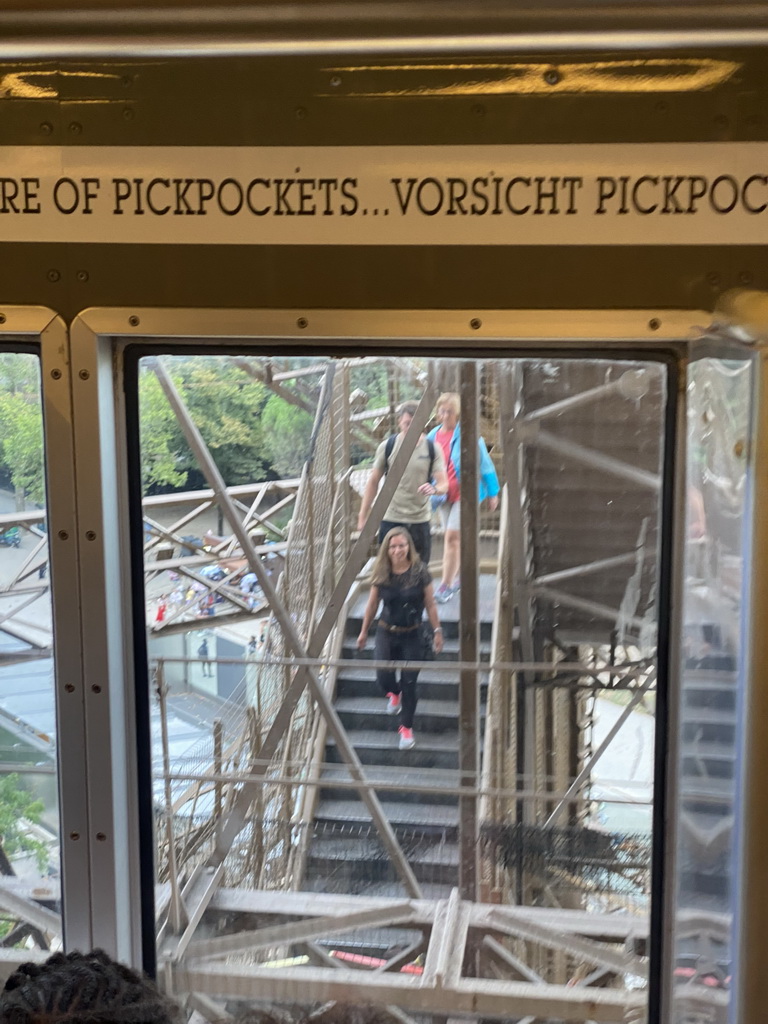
(18, 810)
(286, 432)
(164, 452)
(224, 403)
(21, 424)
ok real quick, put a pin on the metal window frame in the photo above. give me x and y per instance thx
(99, 338)
(42, 330)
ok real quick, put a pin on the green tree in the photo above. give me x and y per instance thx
(286, 431)
(226, 405)
(17, 811)
(21, 425)
(165, 455)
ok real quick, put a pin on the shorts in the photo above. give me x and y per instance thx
(450, 514)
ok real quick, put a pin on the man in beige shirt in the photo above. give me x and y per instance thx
(424, 476)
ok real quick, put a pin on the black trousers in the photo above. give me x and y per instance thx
(420, 532)
(399, 647)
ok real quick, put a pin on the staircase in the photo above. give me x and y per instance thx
(346, 854)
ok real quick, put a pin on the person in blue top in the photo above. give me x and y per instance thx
(448, 436)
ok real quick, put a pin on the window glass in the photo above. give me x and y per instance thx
(317, 829)
(718, 437)
(29, 813)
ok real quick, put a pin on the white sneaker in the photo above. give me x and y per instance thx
(406, 738)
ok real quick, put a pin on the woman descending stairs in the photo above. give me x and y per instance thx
(417, 787)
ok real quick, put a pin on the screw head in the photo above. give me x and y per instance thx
(302, 322)
(713, 278)
(96, 688)
(82, 275)
(654, 324)
(75, 127)
(301, 112)
(738, 449)
(2, 318)
(74, 835)
(84, 375)
(56, 374)
(745, 277)
(335, 81)
(134, 321)
(128, 113)
(90, 535)
(63, 535)
(53, 275)
(69, 687)
(46, 128)
(475, 323)
(552, 76)
(101, 836)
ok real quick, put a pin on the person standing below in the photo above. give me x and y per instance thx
(447, 436)
(202, 652)
(423, 478)
(403, 583)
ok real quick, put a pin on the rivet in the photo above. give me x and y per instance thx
(75, 127)
(56, 374)
(96, 688)
(63, 535)
(552, 76)
(82, 275)
(84, 375)
(90, 535)
(101, 836)
(475, 323)
(74, 835)
(53, 275)
(654, 324)
(69, 687)
(302, 322)
(46, 128)
(134, 321)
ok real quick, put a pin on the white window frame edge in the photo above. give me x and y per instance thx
(41, 326)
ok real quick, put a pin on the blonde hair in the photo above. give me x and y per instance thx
(382, 567)
(451, 399)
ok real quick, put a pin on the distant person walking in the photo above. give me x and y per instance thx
(424, 476)
(448, 438)
(402, 583)
(202, 652)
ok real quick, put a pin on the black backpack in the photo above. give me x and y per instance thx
(390, 446)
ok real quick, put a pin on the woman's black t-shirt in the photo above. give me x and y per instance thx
(403, 596)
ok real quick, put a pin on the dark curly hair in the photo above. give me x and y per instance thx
(83, 988)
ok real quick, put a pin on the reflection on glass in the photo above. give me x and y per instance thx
(29, 815)
(292, 823)
(719, 402)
